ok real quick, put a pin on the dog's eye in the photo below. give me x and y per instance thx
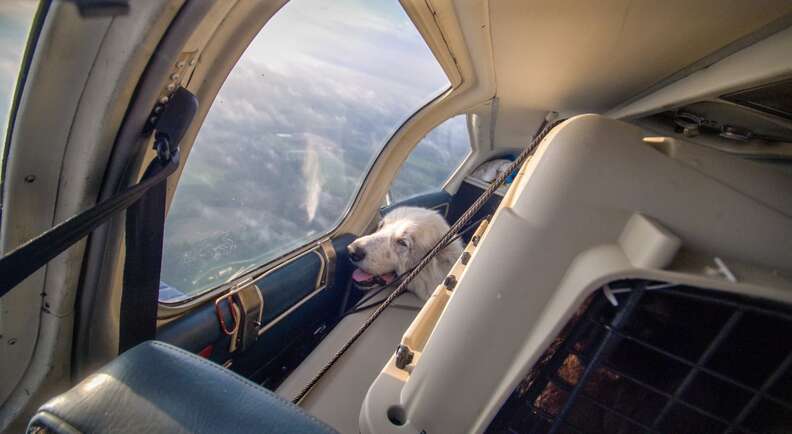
(402, 242)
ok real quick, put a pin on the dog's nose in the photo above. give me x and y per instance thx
(356, 253)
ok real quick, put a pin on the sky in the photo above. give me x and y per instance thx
(15, 19)
(292, 133)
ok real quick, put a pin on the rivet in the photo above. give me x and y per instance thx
(163, 100)
(175, 77)
(180, 64)
(171, 87)
(192, 61)
(157, 109)
(30, 178)
(153, 119)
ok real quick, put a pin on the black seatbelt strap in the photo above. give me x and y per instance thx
(29, 257)
(145, 202)
(145, 221)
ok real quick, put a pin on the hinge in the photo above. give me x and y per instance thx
(179, 76)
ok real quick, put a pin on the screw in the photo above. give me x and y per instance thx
(153, 119)
(450, 282)
(192, 61)
(163, 100)
(171, 87)
(157, 109)
(30, 178)
(465, 258)
(175, 77)
(12, 341)
(180, 64)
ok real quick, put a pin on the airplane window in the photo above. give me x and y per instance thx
(291, 135)
(16, 16)
(433, 159)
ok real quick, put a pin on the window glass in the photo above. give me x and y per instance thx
(433, 159)
(291, 135)
(16, 16)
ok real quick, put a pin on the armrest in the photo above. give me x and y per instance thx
(156, 387)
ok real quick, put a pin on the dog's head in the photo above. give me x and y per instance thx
(402, 238)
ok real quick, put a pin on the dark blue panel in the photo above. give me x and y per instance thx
(281, 289)
(289, 284)
(273, 356)
(465, 196)
(195, 330)
(286, 344)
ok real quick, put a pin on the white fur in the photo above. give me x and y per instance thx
(403, 237)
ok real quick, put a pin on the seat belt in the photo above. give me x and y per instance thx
(145, 224)
(145, 221)
(145, 205)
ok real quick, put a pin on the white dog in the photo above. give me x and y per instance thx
(402, 239)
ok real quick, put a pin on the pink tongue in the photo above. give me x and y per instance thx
(361, 276)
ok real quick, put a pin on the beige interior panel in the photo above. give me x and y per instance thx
(596, 203)
(336, 398)
(765, 61)
(588, 56)
(82, 76)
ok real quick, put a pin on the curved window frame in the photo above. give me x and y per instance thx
(176, 306)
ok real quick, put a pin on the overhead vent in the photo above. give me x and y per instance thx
(774, 98)
(663, 359)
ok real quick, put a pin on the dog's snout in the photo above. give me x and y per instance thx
(356, 253)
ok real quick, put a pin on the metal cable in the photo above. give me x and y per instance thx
(546, 126)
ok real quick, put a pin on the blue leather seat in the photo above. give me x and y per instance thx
(156, 387)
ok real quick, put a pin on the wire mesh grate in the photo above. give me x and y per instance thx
(666, 359)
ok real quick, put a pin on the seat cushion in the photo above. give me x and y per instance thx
(156, 387)
(337, 398)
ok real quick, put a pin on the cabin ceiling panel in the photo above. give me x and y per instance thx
(588, 56)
